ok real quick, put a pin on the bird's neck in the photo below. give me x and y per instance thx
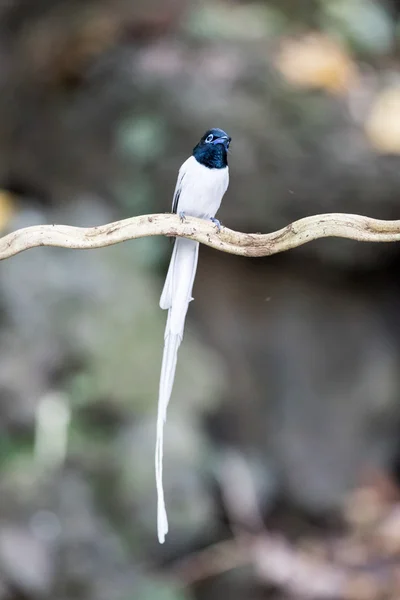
(212, 157)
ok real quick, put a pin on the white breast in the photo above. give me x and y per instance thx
(201, 189)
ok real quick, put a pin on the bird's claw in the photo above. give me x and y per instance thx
(182, 216)
(216, 223)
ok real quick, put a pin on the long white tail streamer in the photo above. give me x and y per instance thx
(175, 298)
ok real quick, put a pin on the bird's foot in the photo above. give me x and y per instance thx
(182, 216)
(216, 223)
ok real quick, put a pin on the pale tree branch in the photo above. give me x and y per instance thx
(353, 227)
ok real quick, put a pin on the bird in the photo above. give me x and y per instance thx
(202, 182)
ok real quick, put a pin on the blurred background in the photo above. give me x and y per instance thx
(282, 451)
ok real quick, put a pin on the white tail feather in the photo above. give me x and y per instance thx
(166, 296)
(175, 297)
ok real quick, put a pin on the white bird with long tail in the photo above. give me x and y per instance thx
(202, 181)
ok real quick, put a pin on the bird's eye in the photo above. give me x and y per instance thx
(209, 138)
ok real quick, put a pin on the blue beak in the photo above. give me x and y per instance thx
(222, 140)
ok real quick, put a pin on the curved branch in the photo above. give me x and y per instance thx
(353, 227)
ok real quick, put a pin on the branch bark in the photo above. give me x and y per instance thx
(353, 227)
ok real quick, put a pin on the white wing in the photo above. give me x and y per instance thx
(199, 190)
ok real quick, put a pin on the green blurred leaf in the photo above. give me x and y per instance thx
(364, 23)
(141, 138)
(223, 21)
(150, 590)
(151, 251)
(135, 196)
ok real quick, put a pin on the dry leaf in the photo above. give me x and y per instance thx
(6, 208)
(316, 61)
(383, 124)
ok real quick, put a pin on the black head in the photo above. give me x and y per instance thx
(211, 151)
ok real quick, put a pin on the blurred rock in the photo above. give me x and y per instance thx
(313, 372)
(26, 561)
